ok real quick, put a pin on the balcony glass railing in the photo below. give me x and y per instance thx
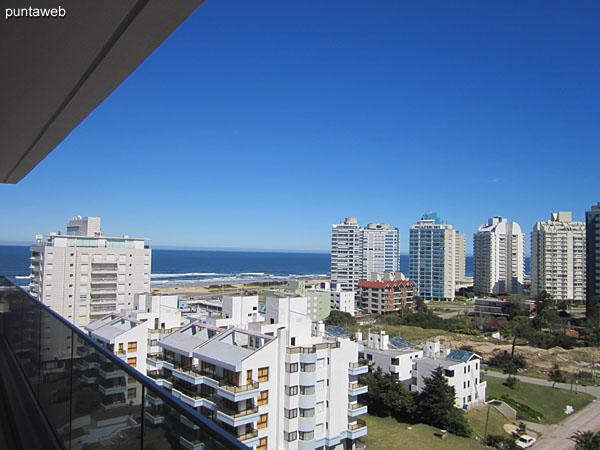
(58, 360)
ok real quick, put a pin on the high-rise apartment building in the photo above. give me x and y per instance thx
(592, 236)
(558, 258)
(356, 252)
(437, 258)
(277, 383)
(499, 257)
(83, 275)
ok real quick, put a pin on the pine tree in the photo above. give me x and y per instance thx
(436, 399)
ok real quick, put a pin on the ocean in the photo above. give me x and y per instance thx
(208, 266)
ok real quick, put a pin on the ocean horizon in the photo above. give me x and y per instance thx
(193, 266)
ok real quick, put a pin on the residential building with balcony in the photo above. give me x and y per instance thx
(499, 258)
(437, 258)
(127, 338)
(339, 300)
(84, 275)
(592, 236)
(356, 252)
(386, 296)
(558, 258)
(277, 383)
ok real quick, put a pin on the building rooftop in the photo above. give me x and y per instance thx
(111, 326)
(190, 337)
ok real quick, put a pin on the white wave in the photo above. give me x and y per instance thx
(22, 277)
(192, 274)
(252, 273)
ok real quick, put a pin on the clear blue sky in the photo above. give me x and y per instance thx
(259, 124)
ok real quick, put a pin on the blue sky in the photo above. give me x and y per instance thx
(259, 124)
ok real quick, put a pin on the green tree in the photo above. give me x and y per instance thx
(435, 404)
(511, 382)
(340, 319)
(421, 306)
(586, 440)
(543, 301)
(556, 376)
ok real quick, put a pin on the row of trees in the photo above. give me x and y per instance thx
(434, 405)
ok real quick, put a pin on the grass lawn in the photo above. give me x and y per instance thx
(387, 434)
(550, 402)
(495, 424)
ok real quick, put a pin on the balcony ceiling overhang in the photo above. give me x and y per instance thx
(54, 71)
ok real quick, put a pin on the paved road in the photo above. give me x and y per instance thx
(556, 437)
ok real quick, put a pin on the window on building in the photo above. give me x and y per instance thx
(290, 413)
(262, 422)
(132, 346)
(262, 444)
(132, 361)
(307, 412)
(307, 435)
(131, 393)
(307, 390)
(307, 367)
(121, 349)
(263, 398)
(291, 367)
(290, 436)
(291, 390)
(263, 374)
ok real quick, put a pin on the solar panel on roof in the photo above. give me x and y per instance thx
(337, 331)
(460, 355)
(399, 342)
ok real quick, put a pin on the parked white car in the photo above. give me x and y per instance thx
(525, 441)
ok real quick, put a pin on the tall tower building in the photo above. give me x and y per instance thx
(437, 258)
(83, 275)
(592, 230)
(558, 258)
(356, 252)
(499, 257)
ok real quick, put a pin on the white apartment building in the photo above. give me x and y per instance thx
(395, 356)
(356, 252)
(84, 275)
(126, 338)
(410, 365)
(462, 369)
(499, 257)
(558, 258)
(277, 383)
(437, 258)
(339, 300)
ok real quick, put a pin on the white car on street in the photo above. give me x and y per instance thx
(525, 441)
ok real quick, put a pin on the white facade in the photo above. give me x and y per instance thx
(85, 276)
(339, 300)
(376, 349)
(125, 337)
(437, 258)
(276, 384)
(558, 258)
(236, 310)
(356, 252)
(499, 257)
(462, 370)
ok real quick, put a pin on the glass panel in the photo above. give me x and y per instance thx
(107, 404)
(55, 364)
(23, 333)
(165, 428)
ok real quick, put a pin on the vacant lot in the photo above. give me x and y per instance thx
(387, 434)
(546, 400)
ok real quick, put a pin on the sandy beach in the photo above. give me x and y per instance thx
(190, 289)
